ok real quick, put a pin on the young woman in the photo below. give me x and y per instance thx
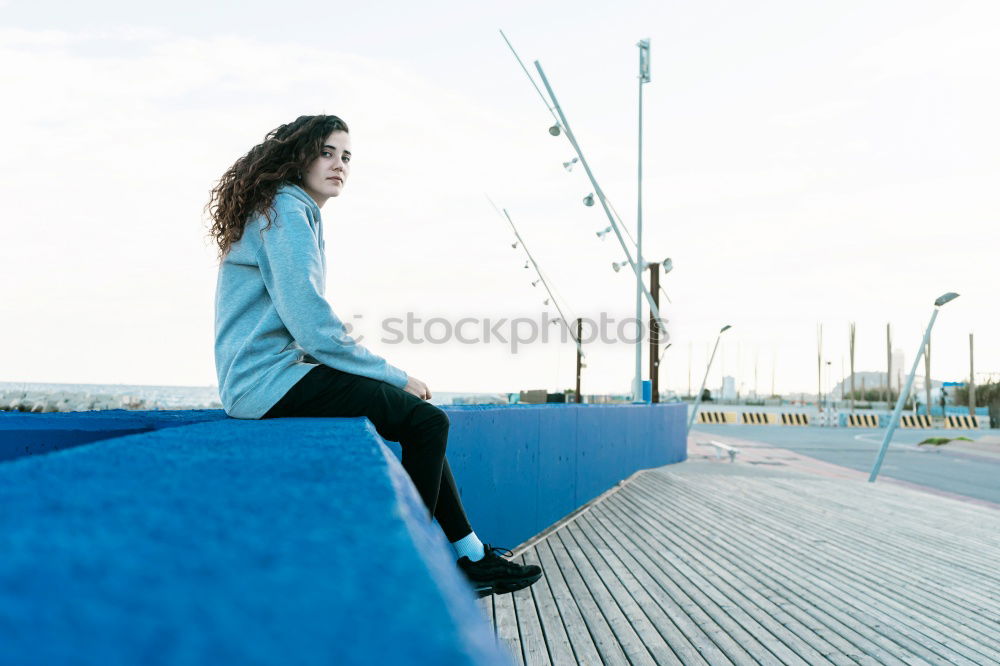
(281, 351)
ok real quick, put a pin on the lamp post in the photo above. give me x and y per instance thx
(643, 78)
(697, 400)
(894, 420)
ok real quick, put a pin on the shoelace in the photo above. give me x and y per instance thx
(497, 550)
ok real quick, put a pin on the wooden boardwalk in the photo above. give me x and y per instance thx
(759, 562)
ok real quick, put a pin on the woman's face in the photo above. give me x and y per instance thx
(325, 177)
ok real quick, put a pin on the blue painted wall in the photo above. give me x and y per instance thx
(521, 468)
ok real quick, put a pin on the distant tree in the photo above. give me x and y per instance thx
(873, 395)
(986, 394)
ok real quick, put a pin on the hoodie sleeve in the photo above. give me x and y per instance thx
(291, 267)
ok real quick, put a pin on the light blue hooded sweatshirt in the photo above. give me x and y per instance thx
(272, 322)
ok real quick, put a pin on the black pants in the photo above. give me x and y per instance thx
(420, 428)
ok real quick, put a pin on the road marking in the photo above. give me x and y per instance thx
(863, 438)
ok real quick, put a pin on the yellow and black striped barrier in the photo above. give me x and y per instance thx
(716, 417)
(862, 420)
(758, 418)
(914, 421)
(961, 421)
(794, 418)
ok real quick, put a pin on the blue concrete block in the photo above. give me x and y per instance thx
(229, 542)
(23, 434)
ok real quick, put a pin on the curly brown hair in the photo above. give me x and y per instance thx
(249, 186)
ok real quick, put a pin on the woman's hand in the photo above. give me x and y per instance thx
(418, 388)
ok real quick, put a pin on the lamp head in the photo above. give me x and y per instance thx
(945, 298)
(589, 200)
(668, 265)
(555, 130)
(724, 329)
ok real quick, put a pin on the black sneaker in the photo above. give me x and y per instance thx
(495, 575)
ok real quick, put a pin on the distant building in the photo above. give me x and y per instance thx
(877, 381)
(728, 388)
(899, 369)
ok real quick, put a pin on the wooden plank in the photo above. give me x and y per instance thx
(637, 638)
(529, 626)
(668, 591)
(744, 569)
(608, 644)
(754, 639)
(506, 623)
(694, 626)
(926, 517)
(943, 589)
(941, 585)
(486, 605)
(576, 629)
(812, 607)
(770, 610)
(764, 555)
(556, 639)
(920, 635)
(911, 611)
(658, 633)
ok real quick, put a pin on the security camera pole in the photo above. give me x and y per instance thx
(894, 421)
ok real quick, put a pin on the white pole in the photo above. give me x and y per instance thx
(637, 383)
(564, 124)
(894, 420)
(697, 400)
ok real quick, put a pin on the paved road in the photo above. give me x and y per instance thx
(971, 474)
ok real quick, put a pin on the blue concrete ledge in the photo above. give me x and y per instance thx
(292, 541)
(24, 434)
(193, 538)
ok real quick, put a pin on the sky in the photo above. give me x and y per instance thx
(804, 165)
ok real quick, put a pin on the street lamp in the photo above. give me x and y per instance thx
(639, 287)
(894, 420)
(697, 400)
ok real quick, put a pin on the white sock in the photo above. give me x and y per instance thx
(469, 546)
